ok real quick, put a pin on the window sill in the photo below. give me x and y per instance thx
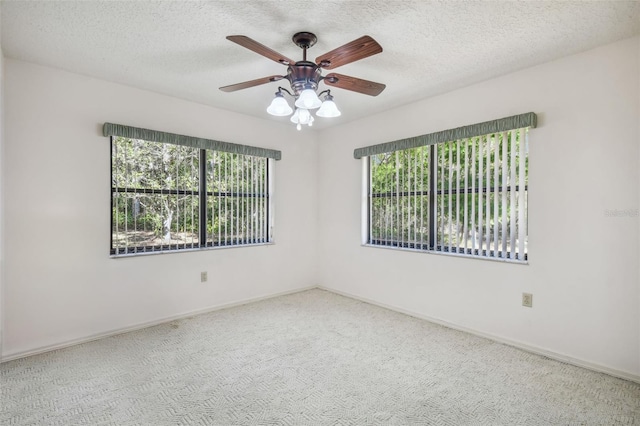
(199, 249)
(465, 256)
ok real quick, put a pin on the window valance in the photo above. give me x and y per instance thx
(110, 129)
(528, 119)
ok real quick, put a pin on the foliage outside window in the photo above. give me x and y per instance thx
(467, 196)
(173, 197)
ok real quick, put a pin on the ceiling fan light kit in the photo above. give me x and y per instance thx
(305, 76)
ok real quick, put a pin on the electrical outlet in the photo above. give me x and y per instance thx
(203, 276)
(527, 300)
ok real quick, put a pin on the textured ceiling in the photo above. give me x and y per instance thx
(179, 48)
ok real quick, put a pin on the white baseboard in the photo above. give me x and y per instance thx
(97, 336)
(526, 347)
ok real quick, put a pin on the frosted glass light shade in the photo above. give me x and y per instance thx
(328, 110)
(302, 117)
(279, 107)
(295, 118)
(308, 100)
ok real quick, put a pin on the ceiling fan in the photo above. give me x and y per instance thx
(305, 76)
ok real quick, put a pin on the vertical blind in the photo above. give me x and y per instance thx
(238, 199)
(466, 196)
(176, 196)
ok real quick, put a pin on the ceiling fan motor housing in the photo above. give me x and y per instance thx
(304, 75)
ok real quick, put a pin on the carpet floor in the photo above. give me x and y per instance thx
(310, 358)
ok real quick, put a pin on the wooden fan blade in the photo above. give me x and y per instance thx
(260, 49)
(359, 85)
(358, 49)
(247, 84)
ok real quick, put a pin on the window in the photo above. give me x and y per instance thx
(466, 196)
(167, 197)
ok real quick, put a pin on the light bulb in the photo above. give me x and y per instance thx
(299, 127)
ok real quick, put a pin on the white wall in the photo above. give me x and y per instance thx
(1, 191)
(60, 284)
(638, 122)
(583, 269)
